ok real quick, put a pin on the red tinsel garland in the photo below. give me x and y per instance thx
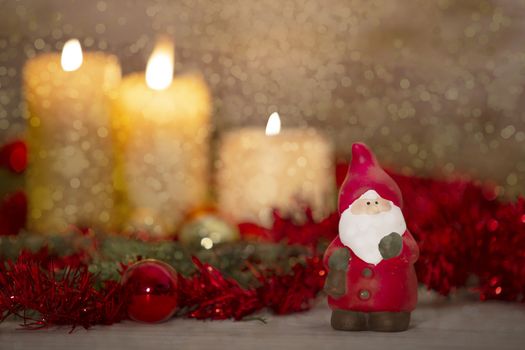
(31, 283)
(69, 299)
(210, 295)
(464, 231)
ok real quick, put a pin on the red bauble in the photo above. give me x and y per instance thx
(152, 289)
(13, 156)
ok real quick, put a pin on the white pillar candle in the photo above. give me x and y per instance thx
(162, 126)
(259, 171)
(69, 177)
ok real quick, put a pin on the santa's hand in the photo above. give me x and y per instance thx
(390, 246)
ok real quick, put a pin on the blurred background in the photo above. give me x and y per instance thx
(435, 87)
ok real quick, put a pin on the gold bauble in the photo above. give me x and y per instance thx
(206, 231)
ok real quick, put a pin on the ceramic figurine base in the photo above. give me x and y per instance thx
(344, 320)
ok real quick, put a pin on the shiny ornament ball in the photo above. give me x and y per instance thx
(152, 288)
(207, 230)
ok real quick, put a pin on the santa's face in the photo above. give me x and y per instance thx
(366, 221)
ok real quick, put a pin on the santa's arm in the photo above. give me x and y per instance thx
(336, 263)
(411, 249)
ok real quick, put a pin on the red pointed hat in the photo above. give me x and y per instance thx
(365, 173)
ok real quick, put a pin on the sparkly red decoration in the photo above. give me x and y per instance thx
(27, 285)
(308, 233)
(66, 299)
(211, 295)
(295, 291)
(13, 156)
(465, 233)
(152, 288)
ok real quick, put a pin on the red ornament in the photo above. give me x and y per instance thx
(13, 156)
(152, 289)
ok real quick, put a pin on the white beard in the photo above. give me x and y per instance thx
(362, 233)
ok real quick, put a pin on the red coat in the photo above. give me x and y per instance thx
(390, 285)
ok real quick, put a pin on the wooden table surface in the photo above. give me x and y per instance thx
(451, 325)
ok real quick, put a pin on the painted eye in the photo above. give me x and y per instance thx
(367, 203)
(377, 202)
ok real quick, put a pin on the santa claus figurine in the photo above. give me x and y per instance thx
(371, 282)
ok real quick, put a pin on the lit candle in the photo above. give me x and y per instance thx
(163, 127)
(260, 171)
(69, 178)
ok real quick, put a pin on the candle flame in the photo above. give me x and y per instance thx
(273, 127)
(159, 70)
(71, 59)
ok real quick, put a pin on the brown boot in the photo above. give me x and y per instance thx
(343, 320)
(389, 321)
